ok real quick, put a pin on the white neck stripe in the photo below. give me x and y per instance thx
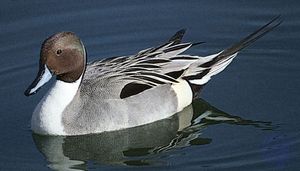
(47, 116)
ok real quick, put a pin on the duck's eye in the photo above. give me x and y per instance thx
(59, 51)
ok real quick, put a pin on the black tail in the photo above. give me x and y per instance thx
(246, 41)
(223, 59)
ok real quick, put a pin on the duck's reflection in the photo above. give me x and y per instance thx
(130, 146)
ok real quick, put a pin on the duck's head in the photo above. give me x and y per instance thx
(63, 55)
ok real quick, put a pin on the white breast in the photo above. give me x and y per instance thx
(47, 116)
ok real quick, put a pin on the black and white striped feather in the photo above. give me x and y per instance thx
(165, 64)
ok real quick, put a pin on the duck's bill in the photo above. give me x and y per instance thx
(43, 76)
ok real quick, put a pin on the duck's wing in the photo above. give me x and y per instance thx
(113, 63)
(165, 65)
(147, 69)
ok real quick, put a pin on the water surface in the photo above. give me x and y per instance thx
(247, 117)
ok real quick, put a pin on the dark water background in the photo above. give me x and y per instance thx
(261, 86)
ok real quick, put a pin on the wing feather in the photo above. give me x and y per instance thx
(165, 64)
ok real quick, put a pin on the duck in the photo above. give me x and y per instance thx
(121, 92)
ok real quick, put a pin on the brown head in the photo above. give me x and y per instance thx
(63, 55)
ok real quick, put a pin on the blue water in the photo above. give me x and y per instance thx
(256, 99)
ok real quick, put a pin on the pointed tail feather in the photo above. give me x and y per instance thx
(246, 41)
(200, 72)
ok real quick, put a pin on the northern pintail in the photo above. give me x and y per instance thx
(121, 92)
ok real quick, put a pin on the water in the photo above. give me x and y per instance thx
(256, 97)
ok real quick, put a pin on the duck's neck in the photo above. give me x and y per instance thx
(47, 116)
